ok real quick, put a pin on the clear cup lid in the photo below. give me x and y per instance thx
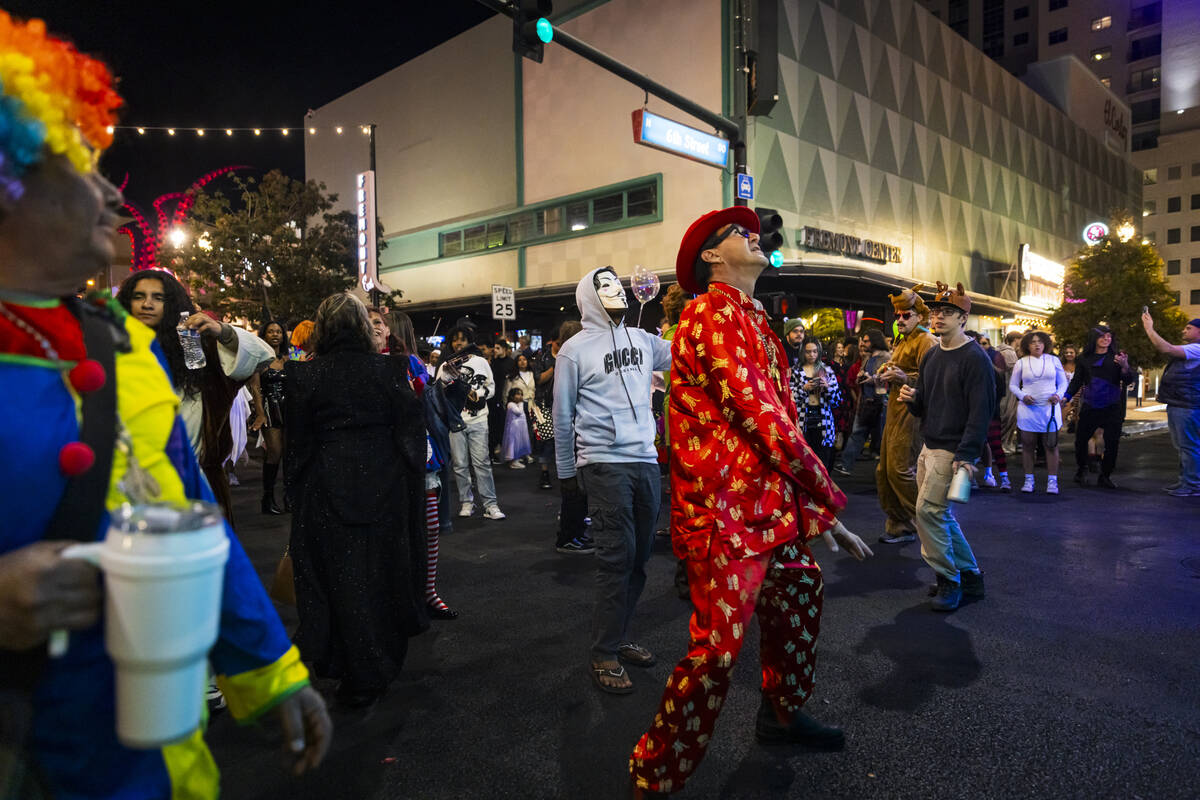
(156, 518)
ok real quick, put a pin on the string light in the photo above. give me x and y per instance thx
(110, 129)
(143, 130)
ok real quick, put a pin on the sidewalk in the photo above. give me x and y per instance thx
(1152, 416)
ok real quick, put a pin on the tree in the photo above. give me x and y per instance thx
(277, 243)
(1109, 282)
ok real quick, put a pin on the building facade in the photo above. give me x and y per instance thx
(896, 153)
(1148, 53)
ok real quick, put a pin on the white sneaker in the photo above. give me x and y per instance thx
(1028, 487)
(989, 481)
(1052, 484)
(516, 465)
(466, 510)
(493, 512)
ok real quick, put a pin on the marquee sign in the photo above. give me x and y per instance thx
(1041, 279)
(846, 245)
(364, 234)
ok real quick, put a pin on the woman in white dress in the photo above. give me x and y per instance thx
(1038, 382)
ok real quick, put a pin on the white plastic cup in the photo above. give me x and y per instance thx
(164, 569)
(960, 486)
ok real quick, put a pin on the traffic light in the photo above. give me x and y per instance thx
(770, 234)
(783, 305)
(531, 29)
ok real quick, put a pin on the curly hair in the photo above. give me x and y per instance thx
(175, 302)
(281, 350)
(53, 100)
(673, 302)
(342, 326)
(1027, 340)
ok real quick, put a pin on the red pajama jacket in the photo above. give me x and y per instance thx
(741, 471)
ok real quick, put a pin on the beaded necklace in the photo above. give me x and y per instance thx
(36, 335)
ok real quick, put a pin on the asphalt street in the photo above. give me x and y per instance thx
(1076, 677)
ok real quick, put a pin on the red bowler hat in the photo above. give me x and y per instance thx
(699, 233)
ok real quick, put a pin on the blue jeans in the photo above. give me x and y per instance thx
(1184, 425)
(624, 501)
(943, 545)
(469, 449)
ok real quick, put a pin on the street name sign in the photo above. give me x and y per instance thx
(674, 137)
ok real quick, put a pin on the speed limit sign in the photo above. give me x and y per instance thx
(504, 302)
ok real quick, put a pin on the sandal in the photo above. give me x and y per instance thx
(607, 672)
(635, 655)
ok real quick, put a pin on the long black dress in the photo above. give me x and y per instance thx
(355, 472)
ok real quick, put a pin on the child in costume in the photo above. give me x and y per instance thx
(515, 444)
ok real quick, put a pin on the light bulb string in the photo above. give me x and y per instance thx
(216, 130)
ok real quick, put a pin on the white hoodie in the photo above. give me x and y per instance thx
(602, 386)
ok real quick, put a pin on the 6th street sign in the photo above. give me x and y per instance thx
(504, 302)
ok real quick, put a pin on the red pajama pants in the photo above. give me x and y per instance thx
(784, 588)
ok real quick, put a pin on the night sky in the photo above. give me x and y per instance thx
(224, 64)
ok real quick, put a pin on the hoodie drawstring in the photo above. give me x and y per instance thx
(611, 333)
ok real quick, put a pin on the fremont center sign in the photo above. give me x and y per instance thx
(849, 246)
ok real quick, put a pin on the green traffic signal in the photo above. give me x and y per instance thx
(545, 31)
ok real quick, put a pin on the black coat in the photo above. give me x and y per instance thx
(355, 470)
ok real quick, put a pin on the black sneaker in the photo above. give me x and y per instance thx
(1081, 476)
(544, 483)
(575, 546)
(1105, 482)
(948, 597)
(840, 470)
(972, 584)
(803, 730)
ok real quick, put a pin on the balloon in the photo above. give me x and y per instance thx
(645, 284)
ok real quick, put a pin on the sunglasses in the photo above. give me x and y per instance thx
(905, 315)
(733, 229)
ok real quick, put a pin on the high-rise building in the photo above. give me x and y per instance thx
(1148, 53)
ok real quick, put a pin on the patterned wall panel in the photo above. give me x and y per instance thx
(891, 126)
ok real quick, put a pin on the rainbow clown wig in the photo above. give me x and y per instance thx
(53, 100)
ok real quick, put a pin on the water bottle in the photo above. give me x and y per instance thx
(960, 487)
(189, 339)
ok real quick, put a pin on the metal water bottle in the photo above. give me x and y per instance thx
(960, 486)
(189, 339)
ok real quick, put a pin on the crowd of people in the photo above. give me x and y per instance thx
(382, 443)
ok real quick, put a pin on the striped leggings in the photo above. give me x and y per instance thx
(431, 535)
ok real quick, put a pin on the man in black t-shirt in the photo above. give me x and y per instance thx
(955, 396)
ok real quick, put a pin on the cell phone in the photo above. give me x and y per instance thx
(1145, 309)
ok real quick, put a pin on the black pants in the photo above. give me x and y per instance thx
(572, 514)
(814, 435)
(1091, 420)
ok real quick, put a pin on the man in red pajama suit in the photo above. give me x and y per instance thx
(749, 494)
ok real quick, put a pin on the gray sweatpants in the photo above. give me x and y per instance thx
(624, 501)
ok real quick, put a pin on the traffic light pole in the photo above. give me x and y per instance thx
(730, 128)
